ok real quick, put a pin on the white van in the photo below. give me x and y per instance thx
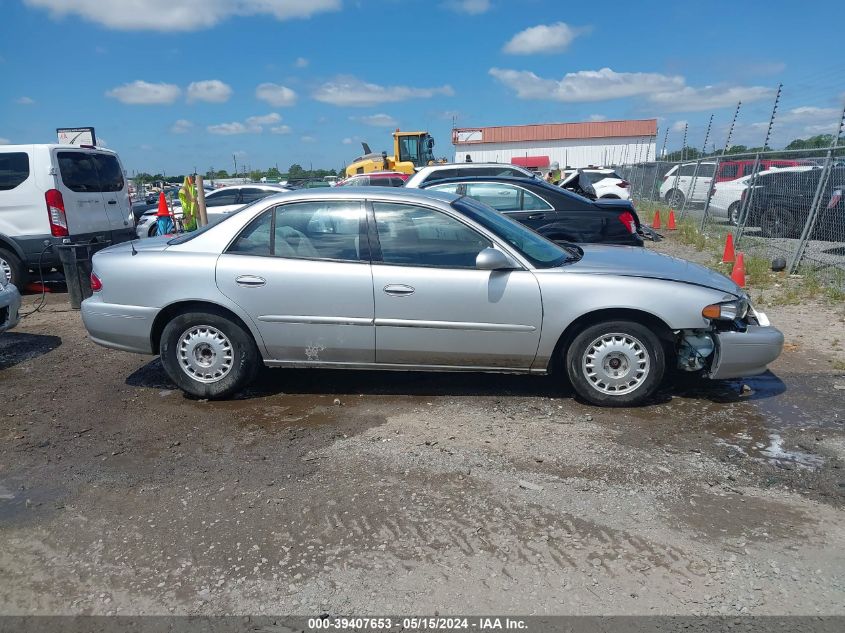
(677, 187)
(50, 194)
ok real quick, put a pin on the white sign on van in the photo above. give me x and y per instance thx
(76, 136)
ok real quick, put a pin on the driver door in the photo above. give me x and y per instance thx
(434, 308)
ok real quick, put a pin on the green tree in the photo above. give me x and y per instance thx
(818, 141)
(296, 171)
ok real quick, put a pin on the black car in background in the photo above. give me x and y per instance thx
(781, 204)
(554, 213)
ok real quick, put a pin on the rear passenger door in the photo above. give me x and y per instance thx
(114, 191)
(79, 183)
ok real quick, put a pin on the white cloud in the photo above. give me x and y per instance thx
(25, 101)
(181, 126)
(585, 85)
(678, 126)
(181, 15)
(307, 139)
(266, 119)
(376, 120)
(471, 7)
(5, 141)
(544, 38)
(802, 121)
(281, 129)
(597, 117)
(147, 148)
(230, 129)
(276, 95)
(301, 62)
(351, 91)
(347, 141)
(689, 99)
(145, 93)
(211, 91)
(670, 92)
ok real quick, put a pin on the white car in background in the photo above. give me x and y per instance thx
(218, 204)
(434, 173)
(726, 197)
(607, 183)
(678, 187)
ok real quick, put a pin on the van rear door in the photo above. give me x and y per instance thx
(114, 190)
(79, 183)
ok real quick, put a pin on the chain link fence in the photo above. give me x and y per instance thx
(785, 206)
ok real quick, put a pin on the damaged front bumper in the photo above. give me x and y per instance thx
(745, 353)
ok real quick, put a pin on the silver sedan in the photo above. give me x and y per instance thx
(10, 303)
(383, 278)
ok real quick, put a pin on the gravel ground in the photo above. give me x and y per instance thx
(377, 492)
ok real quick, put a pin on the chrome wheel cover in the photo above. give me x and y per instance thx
(205, 354)
(616, 364)
(6, 271)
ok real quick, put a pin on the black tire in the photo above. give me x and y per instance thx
(244, 358)
(733, 213)
(153, 230)
(12, 264)
(779, 223)
(675, 198)
(644, 344)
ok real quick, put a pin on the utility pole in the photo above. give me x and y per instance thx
(235, 158)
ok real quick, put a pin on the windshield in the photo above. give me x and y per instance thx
(536, 249)
(187, 237)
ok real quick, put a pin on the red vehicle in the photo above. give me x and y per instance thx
(733, 169)
(376, 179)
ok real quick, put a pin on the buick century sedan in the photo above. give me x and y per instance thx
(400, 279)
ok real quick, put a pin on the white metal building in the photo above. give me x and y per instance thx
(567, 144)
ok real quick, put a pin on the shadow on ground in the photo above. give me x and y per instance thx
(18, 347)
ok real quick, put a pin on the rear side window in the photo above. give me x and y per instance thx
(251, 194)
(14, 169)
(440, 174)
(706, 169)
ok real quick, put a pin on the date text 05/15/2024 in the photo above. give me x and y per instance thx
(426, 623)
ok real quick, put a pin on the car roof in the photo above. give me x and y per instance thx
(517, 180)
(400, 194)
(470, 166)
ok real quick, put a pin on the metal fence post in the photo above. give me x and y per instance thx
(709, 194)
(746, 203)
(812, 216)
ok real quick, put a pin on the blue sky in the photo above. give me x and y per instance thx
(177, 84)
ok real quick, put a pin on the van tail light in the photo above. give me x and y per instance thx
(627, 219)
(96, 284)
(56, 213)
(623, 183)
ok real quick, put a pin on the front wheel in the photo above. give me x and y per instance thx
(733, 213)
(616, 363)
(208, 355)
(675, 199)
(778, 222)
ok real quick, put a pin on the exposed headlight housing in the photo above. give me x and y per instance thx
(726, 310)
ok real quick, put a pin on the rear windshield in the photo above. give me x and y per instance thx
(90, 172)
(14, 169)
(595, 176)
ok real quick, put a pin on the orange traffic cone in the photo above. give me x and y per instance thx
(738, 272)
(163, 211)
(729, 256)
(671, 225)
(655, 224)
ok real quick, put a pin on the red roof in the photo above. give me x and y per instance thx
(554, 131)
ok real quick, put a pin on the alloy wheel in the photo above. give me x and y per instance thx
(616, 363)
(205, 353)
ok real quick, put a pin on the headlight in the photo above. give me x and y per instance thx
(726, 311)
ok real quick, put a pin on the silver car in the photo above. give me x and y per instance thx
(10, 303)
(387, 278)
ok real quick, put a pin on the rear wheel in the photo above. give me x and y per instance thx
(208, 355)
(12, 269)
(616, 363)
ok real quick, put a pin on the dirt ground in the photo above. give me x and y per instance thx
(378, 492)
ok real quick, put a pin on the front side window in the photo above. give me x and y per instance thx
(687, 170)
(14, 169)
(417, 236)
(409, 148)
(306, 230)
(450, 188)
(222, 198)
(252, 194)
(706, 170)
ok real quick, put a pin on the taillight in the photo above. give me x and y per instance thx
(623, 183)
(628, 220)
(56, 213)
(96, 284)
(835, 198)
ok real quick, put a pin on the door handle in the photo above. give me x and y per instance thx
(536, 216)
(398, 290)
(112, 201)
(250, 281)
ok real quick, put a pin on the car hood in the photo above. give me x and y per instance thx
(632, 261)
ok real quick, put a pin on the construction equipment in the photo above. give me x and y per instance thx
(410, 150)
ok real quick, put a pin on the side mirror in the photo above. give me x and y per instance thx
(491, 259)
